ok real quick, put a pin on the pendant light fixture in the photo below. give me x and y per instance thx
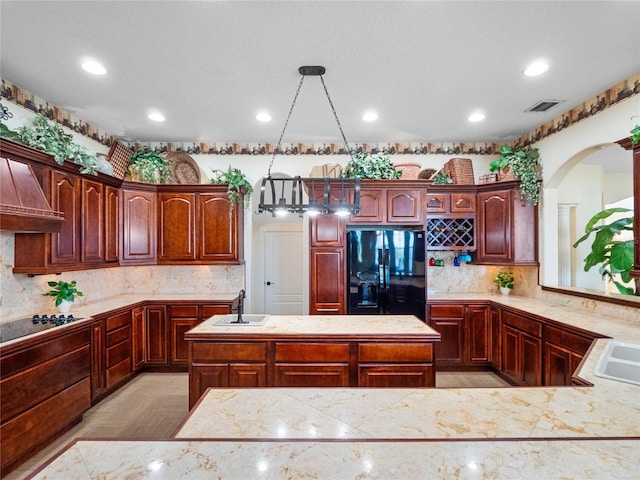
(286, 195)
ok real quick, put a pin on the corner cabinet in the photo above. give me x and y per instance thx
(507, 229)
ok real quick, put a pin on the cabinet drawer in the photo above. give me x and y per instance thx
(532, 327)
(119, 335)
(211, 310)
(229, 352)
(395, 352)
(118, 372)
(571, 341)
(184, 311)
(117, 321)
(118, 353)
(311, 375)
(312, 352)
(453, 311)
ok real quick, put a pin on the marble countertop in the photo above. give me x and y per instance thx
(86, 311)
(173, 459)
(323, 325)
(334, 433)
(611, 326)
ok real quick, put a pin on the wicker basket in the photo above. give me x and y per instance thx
(410, 170)
(119, 157)
(460, 170)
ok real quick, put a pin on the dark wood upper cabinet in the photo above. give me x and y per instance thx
(372, 206)
(200, 227)
(216, 230)
(92, 221)
(176, 227)
(404, 206)
(138, 225)
(507, 228)
(111, 224)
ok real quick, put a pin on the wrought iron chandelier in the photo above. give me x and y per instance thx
(286, 195)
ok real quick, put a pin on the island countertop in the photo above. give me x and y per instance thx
(322, 326)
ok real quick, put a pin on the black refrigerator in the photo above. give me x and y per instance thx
(386, 272)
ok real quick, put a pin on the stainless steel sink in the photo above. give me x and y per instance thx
(251, 319)
(620, 361)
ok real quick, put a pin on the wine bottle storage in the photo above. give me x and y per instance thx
(450, 234)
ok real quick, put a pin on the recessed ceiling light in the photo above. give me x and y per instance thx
(536, 68)
(476, 117)
(370, 116)
(156, 117)
(93, 67)
(263, 117)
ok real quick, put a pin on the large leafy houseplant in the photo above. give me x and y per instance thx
(615, 257)
(150, 166)
(523, 165)
(51, 138)
(237, 185)
(371, 165)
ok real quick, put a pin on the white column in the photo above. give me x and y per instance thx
(565, 264)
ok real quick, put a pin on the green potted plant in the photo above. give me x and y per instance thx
(237, 185)
(371, 165)
(522, 164)
(505, 281)
(64, 293)
(635, 135)
(149, 166)
(50, 138)
(615, 257)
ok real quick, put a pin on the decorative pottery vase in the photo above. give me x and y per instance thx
(64, 306)
(505, 290)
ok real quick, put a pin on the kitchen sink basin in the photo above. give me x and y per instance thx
(620, 361)
(251, 319)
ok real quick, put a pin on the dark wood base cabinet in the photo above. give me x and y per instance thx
(45, 389)
(306, 362)
(521, 348)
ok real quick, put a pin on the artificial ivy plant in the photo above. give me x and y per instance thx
(51, 138)
(150, 166)
(371, 165)
(237, 185)
(614, 256)
(635, 135)
(523, 164)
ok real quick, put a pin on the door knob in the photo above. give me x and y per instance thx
(269, 283)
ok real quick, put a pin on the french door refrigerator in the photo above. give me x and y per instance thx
(386, 272)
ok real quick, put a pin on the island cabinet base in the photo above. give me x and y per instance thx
(307, 362)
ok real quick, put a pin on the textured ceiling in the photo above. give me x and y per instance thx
(424, 66)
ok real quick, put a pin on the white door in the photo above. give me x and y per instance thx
(282, 275)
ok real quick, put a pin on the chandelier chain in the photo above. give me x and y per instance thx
(335, 114)
(286, 122)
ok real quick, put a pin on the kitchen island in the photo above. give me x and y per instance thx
(312, 351)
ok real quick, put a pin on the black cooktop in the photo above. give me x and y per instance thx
(36, 323)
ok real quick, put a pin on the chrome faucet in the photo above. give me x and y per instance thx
(240, 308)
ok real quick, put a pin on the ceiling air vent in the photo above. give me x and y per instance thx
(543, 105)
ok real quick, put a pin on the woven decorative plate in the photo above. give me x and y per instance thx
(183, 168)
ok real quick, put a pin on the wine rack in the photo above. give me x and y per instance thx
(450, 234)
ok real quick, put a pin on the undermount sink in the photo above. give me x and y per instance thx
(250, 319)
(620, 361)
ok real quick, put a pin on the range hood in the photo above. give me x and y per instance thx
(23, 204)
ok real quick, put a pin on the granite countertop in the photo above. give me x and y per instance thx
(323, 325)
